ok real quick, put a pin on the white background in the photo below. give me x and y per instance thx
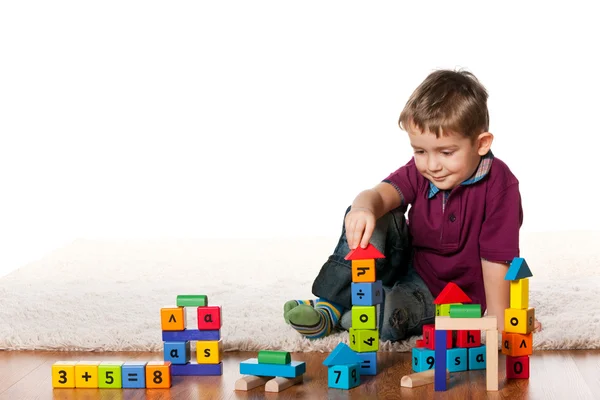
(242, 119)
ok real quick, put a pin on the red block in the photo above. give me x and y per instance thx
(420, 343)
(429, 337)
(517, 367)
(468, 339)
(209, 318)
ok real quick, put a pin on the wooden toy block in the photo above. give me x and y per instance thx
(443, 310)
(429, 337)
(467, 324)
(133, 374)
(343, 376)
(363, 271)
(465, 311)
(364, 317)
(192, 300)
(158, 375)
(368, 364)
(364, 340)
(422, 359)
(209, 318)
(468, 338)
(172, 318)
(341, 355)
(190, 334)
(452, 294)
(516, 344)
(457, 360)
(518, 269)
(439, 377)
(364, 254)
(197, 369)
(517, 367)
(280, 383)
(250, 382)
(491, 355)
(177, 352)
(86, 374)
(476, 356)
(276, 357)
(367, 294)
(420, 343)
(519, 294)
(63, 374)
(519, 321)
(291, 370)
(109, 375)
(208, 351)
(420, 379)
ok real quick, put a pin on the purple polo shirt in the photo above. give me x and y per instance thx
(452, 232)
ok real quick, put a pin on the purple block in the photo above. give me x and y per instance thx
(439, 377)
(196, 369)
(190, 334)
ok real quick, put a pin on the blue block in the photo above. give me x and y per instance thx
(476, 357)
(133, 375)
(439, 378)
(343, 376)
(457, 359)
(518, 270)
(196, 369)
(367, 294)
(342, 354)
(423, 359)
(177, 352)
(291, 370)
(368, 365)
(190, 334)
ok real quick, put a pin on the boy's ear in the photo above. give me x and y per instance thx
(484, 142)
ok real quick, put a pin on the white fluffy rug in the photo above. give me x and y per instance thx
(106, 295)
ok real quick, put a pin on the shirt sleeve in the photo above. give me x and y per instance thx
(405, 180)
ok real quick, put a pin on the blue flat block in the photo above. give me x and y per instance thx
(133, 375)
(291, 370)
(343, 376)
(367, 294)
(190, 334)
(423, 359)
(457, 359)
(439, 379)
(197, 369)
(476, 357)
(177, 352)
(368, 365)
(342, 354)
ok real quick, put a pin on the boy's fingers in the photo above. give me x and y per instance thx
(367, 235)
(358, 232)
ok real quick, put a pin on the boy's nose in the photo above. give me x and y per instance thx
(433, 164)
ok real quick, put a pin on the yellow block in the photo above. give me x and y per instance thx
(519, 321)
(86, 374)
(158, 374)
(208, 351)
(172, 318)
(363, 270)
(63, 374)
(519, 293)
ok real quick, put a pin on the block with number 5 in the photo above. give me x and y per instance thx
(109, 374)
(158, 374)
(364, 340)
(343, 376)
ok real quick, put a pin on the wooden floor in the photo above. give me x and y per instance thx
(555, 375)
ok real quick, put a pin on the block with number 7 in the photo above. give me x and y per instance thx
(343, 376)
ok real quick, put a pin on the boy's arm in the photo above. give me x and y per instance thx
(497, 290)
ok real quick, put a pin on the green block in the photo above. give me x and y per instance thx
(465, 311)
(364, 317)
(274, 357)
(109, 374)
(364, 340)
(443, 310)
(192, 300)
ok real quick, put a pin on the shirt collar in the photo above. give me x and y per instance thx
(482, 170)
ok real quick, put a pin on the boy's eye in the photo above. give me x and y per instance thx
(419, 151)
(447, 153)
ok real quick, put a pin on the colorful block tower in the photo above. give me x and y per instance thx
(366, 294)
(519, 321)
(177, 337)
(343, 368)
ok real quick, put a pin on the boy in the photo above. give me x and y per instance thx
(464, 218)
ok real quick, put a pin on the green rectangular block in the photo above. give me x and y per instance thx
(465, 311)
(443, 310)
(192, 300)
(109, 374)
(274, 357)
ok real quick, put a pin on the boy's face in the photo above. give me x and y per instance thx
(449, 160)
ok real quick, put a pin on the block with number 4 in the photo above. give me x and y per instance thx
(343, 376)
(364, 340)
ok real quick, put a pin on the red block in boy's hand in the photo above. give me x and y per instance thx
(209, 318)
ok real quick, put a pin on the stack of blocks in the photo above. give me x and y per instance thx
(343, 368)
(278, 364)
(366, 294)
(519, 321)
(177, 337)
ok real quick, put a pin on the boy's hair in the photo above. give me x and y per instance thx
(448, 102)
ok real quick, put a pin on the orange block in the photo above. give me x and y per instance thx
(363, 270)
(172, 318)
(158, 374)
(517, 344)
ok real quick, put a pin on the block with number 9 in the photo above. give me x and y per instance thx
(343, 376)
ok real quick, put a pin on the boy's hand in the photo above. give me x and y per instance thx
(537, 327)
(360, 223)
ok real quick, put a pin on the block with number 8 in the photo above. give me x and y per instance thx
(158, 374)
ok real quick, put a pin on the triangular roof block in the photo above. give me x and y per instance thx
(452, 294)
(367, 253)
(518, 270)
(342, 355)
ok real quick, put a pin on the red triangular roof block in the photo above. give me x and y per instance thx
(367, 253)
(452, 294)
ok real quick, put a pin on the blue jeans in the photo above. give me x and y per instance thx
(408, 303)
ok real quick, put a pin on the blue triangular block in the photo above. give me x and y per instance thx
(518, 270)
(342, 355)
